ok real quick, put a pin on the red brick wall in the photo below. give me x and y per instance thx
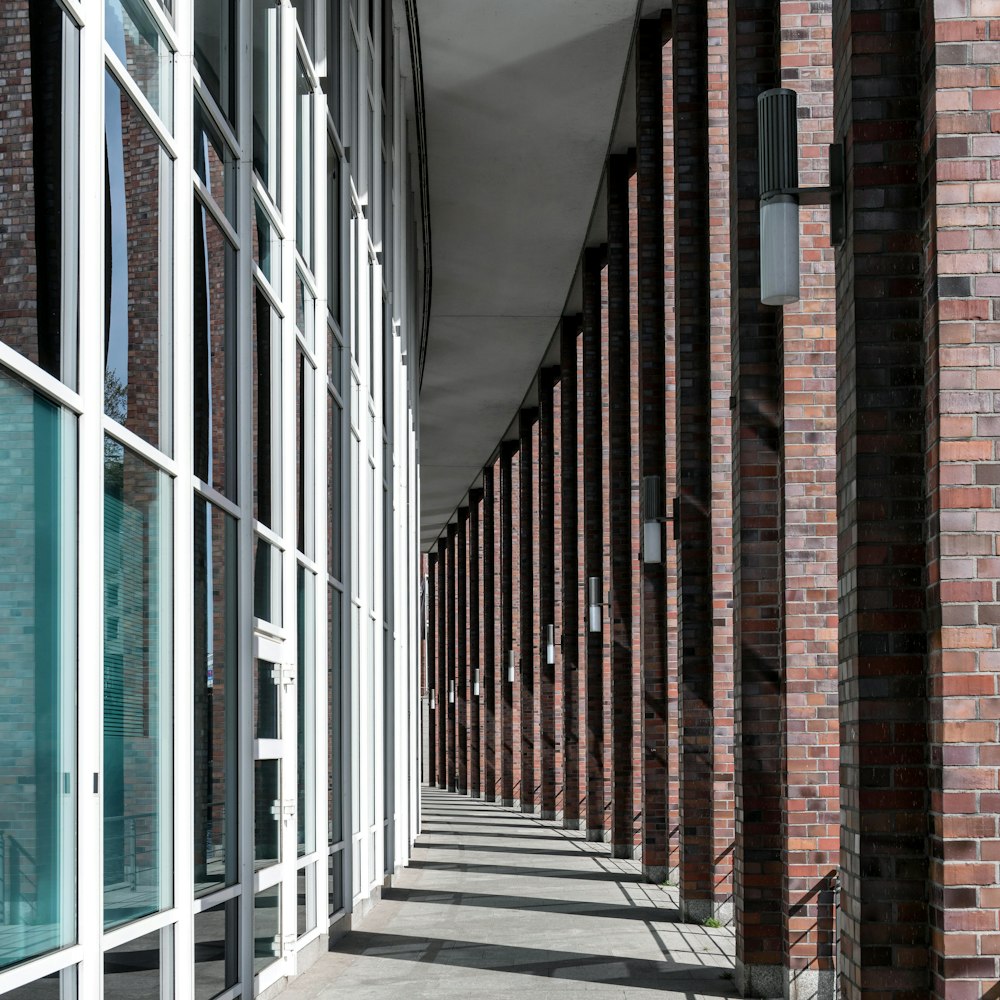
(476, 644)
(441, 716)
(558, 706)
(545, 568)
(492, 638)
(451, 707)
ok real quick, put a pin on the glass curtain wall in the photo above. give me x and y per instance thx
(197, 483)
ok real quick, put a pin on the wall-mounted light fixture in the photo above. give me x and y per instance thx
(550, 644)
(652, 519)
(594, 603)
(433, 704)
(780, 196)
(510, 666)
(475, 683)
(451, 692)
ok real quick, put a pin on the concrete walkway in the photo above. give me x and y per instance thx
(499, 904)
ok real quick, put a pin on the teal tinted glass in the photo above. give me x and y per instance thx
(137, 687)
(37, 674)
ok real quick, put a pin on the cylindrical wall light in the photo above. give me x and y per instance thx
(594, 604)
(510, 666)
(778, 152)
(475, 683)
(652, 520)
(451, 692)
(550, 644)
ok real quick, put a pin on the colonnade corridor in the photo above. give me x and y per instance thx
(497, 903)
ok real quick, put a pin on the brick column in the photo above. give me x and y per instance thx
(962, 415)
(880, 482)
(461, 651)
(527, 622)
(670, 488)
(510, 576)
(573, 645)
(559, 671)
(757, 525)
(593, 536)
(474, 699)
(492, 637)
(451, 764)
(546, 592)
(430, 663)
(442, 663)
(622, 514)
(652, 439)
(704, 458)
(810, 724)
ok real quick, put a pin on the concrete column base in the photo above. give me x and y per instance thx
(697, 911)
(627, 852)
(599, 836)
(551, 814)
(531, 810)
(572, 824)
(507, 802)
(657, 874)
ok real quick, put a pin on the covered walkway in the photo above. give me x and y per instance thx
(497, 904)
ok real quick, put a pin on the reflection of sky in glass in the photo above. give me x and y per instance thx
(117, 356)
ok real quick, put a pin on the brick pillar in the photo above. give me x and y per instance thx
(473, 691)
(593, 535)
(652, 438)
(430, 663)
(491, 635)
(880, 482)
(550, 779)
(558, 609)
(442, 663)
(573, 635)
(670, 489)
(962, 308)
(451, 764)
(757, 525)
(622, 515)
(704, 458)
(461, 651)
(607, 619)
(528, 618)
(510, 545)
(810, 723)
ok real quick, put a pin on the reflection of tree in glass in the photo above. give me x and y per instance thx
(116, 407)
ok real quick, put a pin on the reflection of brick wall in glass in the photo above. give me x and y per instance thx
(31, 179)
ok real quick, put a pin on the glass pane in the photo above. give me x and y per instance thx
(214, 51)
(214, 162)
(135, 39)
(214, 354)
(267, 246)
(266, 413)
(132, 971)
(331, 79)
(306, 14)
(37, 673)
(37, 302)
(49, 988)
(266, 927)
(136, 272)
(216, 949)
(335, 481)
(351, 112)
(333, 229)
(305, 909)
(306, 689)
(137, 687)
(265, 93)
(266, 704)
(267, 812)
(304, 382)
(216, 671)
(335, 883)
(334, 729)
(303, 164)
(267, 582)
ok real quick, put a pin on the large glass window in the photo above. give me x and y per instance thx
(136, 271)
(132, 971)
(331, 79)
(306, 690)
(135, 39)
(214, 163)
(216, 949)
(304, 465)
(137, 686)
(266, 412)
(37, 673)
(265, 93)
(335, 481)
(303, 163)
(214, 50)
(214, 354)
(38, 235)
(266, 927)
(335, 695)
(216, 759)
(333, 234)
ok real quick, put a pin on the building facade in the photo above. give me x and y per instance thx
(209, 321)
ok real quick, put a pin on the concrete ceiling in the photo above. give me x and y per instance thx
(520, 100)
